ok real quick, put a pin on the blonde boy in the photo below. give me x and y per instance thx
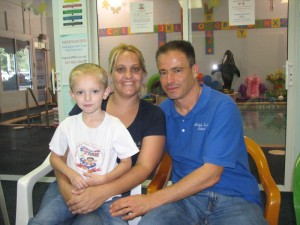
(91, 141)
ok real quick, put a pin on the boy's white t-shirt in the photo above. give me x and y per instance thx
(93, 150)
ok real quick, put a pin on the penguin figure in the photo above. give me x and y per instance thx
(227, 69)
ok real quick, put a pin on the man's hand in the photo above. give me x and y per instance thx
(131, 206)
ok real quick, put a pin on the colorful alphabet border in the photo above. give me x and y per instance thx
(207, 27)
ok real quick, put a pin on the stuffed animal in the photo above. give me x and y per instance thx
(227, 69)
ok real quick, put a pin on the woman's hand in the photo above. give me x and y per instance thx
(88, 200)
(131, 206)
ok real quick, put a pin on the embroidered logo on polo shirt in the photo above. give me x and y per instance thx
(201, 126)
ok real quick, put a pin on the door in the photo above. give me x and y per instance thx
(41, 72)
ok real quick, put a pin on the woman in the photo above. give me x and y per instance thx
(145, 122)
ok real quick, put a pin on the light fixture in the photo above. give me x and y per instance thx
(115, 3)
(284, 1)
(193, 4)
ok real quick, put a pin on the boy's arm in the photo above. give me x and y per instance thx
(59, 164)
(118, 171)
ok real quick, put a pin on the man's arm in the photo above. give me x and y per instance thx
(200, 179)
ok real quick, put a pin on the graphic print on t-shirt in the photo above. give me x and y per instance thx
(89, 157)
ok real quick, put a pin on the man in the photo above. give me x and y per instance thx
(212, 183)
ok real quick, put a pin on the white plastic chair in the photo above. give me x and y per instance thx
(3, 206)
(24, 193)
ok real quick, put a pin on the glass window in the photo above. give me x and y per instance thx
(15, 64)
(23, 64)
(247, 62)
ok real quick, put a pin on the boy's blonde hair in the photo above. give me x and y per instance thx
(91, 69)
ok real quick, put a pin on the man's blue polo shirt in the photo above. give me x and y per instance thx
(211, 132)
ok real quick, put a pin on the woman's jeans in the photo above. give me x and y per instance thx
(53, 210)
(206, 208)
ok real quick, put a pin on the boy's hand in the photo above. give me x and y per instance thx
(95, 179)
(78, 182)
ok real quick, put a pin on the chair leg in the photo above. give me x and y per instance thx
(3, 206)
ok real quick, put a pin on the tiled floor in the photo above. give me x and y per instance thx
(21, 150)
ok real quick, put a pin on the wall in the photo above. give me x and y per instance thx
(165, 12)
(261, 52)
(250, 53)
(13, 25)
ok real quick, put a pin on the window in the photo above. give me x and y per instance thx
(15, 64)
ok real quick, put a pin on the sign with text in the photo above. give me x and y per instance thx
(241, 12)
(141, 17)
(74, 51)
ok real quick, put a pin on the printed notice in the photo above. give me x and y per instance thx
(141, 17)
(74, 51)
(241, 12)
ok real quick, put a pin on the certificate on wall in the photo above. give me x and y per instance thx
(241, 12)
(141, 17)
(74, 51)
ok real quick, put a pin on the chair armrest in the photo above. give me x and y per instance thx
(162, 174)
(273, 197)
(24, 191)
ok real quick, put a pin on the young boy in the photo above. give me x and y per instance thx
(92, 141)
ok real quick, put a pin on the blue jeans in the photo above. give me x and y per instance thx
(207, 208)
(53, 210)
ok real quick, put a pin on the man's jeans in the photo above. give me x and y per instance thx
(53, 210)
(207, 208)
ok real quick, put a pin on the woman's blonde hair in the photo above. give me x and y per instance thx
(116, 51)
(91, 69)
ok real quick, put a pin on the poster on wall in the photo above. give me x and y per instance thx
(141, 17)
(74, 51)
(241, 12)
(72, 16)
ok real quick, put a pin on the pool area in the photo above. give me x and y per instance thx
(265, 122)
(46, 119)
